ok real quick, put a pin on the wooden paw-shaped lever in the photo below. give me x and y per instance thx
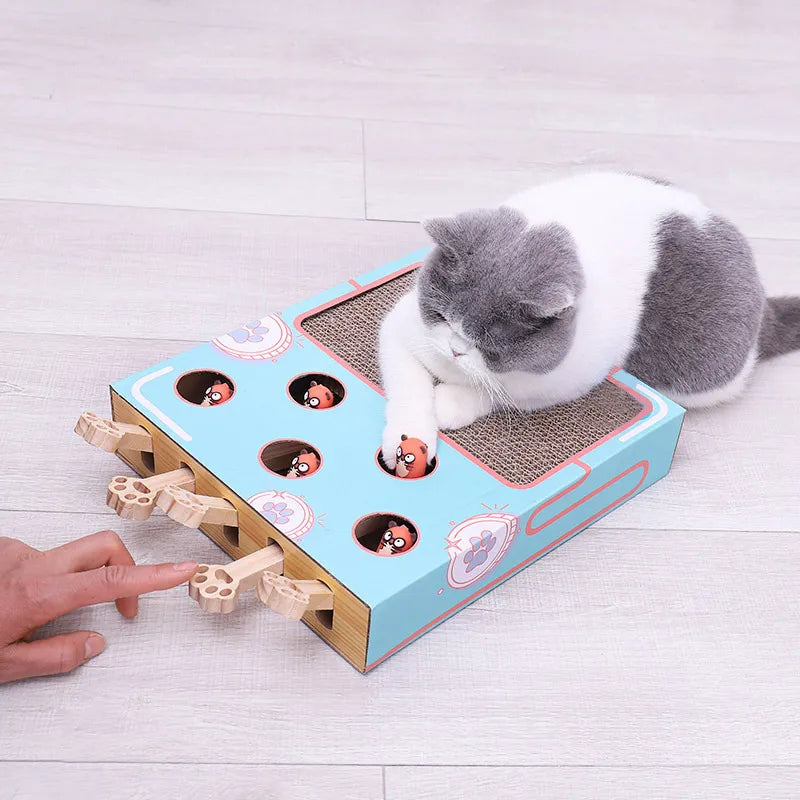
(216, 587)
(112, 436)
(193, 510)
(292, 598)
(135, 498)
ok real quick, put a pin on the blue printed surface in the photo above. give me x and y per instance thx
(473, 529)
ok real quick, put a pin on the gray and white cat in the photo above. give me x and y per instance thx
(534, 302)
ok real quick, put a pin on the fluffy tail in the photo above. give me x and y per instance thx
(780, 329)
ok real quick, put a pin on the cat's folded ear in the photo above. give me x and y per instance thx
(445, 232)
(554, 301)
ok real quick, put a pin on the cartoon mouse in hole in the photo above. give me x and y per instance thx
(318, 396)
(218, 393)
(305, 463)
(411, 458)
(397, 538)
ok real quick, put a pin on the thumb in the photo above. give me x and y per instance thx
(51, 656)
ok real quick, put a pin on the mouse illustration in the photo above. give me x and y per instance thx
(411, 458)
(219, 392)
(397, 538)
(303, 464)
(318, 396)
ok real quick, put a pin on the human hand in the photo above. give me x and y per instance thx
(38, 586)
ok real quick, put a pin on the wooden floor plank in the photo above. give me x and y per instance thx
(713, 69)
(593, 783)
(622, 647)
(25, 781)
(115, 154)
(418, 170)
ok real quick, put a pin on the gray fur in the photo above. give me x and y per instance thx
(703, 308)
(510, 287)
(780, 331)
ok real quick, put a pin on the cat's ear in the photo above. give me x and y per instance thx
(551, 303)
(445, 232)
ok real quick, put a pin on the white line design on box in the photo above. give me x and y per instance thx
(651, 420)
(136, 391)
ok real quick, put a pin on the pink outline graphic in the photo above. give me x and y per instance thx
(643, 400)
(301, 527)
(456, 541)
(644, 466)
(273, 352)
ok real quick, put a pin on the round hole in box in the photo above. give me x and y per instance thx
(386, 534)
(205, 387)
(316, 391)
(290, 458)
(429, 468)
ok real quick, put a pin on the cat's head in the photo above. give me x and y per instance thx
(497, 295)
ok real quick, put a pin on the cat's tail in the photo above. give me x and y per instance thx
(780, 328)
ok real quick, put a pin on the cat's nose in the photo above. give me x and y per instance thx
(456, 353)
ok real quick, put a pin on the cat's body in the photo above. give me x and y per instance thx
(533, 303)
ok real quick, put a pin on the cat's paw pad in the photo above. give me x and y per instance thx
(480, 547)
(455, 406)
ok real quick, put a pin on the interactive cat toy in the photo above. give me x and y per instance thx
(227, 437)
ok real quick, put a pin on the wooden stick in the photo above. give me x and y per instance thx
(135, 498)
(193, 510)
(112, 436)
(292, 598)
(216, 587)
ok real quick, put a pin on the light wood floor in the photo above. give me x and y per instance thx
(167, 168)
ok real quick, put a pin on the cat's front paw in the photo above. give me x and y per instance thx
(457, 406)
(394, 432)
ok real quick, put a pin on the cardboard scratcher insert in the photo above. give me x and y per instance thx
(519, 447)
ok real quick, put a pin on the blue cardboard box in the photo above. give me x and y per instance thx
(473, 526)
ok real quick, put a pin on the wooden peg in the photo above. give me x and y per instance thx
(292, 598)
(135, 498)
(111, 436)
(193, 510)
(216, 587)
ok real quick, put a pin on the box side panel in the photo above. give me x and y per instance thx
(597, 489)
(349, 627)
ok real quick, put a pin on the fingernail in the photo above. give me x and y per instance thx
(95, 644)
(185, 566)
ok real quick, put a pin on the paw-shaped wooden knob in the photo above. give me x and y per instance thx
(130, 498)
(99, 432)
(182, 506)
(214, 589)
(282, 595)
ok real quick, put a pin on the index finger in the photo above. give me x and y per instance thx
(64, 593)
(102, 549)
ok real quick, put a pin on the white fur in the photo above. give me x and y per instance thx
(613, 219)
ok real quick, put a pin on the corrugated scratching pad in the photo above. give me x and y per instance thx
(520, 447)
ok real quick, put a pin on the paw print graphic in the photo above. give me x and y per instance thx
(251, 332)
(479, 551)
(263, 339)
(277, 513)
